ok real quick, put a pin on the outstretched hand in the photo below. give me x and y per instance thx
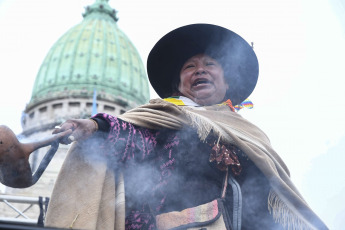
(80, 129)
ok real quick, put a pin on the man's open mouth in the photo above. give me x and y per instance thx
(201, 81)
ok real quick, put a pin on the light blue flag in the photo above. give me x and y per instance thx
(94, 103)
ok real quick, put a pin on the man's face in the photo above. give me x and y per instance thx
(202, 80)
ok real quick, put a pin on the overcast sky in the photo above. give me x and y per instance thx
(298, 101)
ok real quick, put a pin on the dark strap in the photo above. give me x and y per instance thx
(237, 203)
(46, 202)
(45, 161)
(40, 217)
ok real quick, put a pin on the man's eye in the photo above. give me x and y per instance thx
(210, 63)
(189, 66)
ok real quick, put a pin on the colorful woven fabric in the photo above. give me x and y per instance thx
(175, 101)
(185, 101)
(199, 214)
(181, 100)
(245, 104)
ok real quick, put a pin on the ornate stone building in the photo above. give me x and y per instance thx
(93, 56)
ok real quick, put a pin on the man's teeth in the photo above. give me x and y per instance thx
(200, 82)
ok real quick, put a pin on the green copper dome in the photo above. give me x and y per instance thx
(94, 54)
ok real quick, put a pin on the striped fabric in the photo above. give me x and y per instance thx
(181, 100)
(199, 214)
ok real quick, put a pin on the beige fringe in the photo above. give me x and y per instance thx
(205, 126)
(283, 215)
(202, 124)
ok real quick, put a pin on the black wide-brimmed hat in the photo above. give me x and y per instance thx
(239, 62)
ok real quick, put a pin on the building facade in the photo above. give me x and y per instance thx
(93, 63)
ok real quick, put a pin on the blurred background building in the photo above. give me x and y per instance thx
(93, 67)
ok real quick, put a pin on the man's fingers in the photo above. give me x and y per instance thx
(75, 130)
(76, 135)
(63, 136)
(57, 129)
(64, 133)
(71, 138)
(65, 126)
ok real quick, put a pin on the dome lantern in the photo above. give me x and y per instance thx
(102, 7)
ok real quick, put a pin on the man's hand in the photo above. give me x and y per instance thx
(81, 129)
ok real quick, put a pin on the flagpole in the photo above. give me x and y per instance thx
(94, 103)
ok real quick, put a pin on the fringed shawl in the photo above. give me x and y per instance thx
(284, 202)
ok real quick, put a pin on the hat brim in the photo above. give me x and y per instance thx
(239, 62)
